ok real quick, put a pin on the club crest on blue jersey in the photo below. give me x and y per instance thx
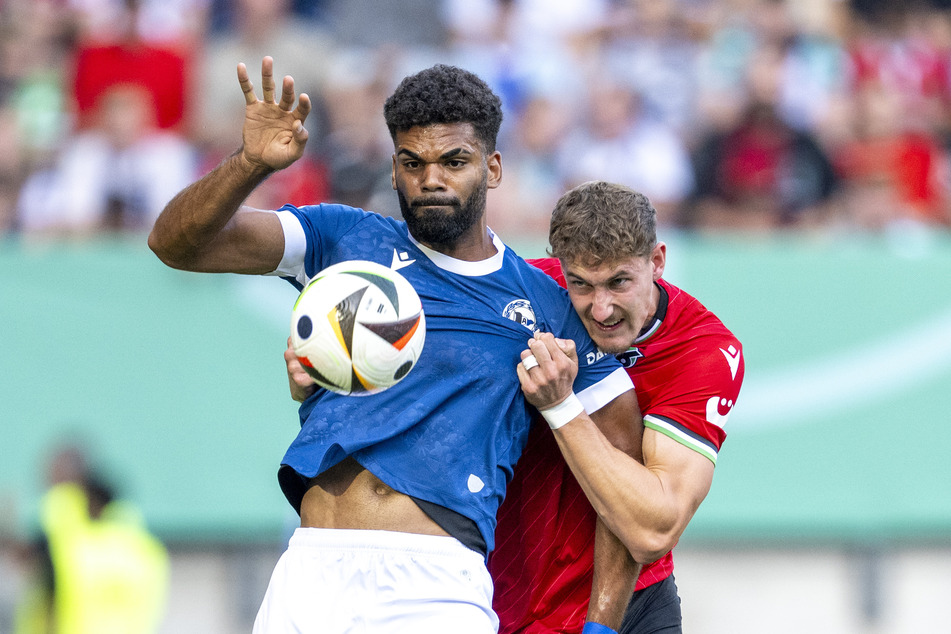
(521, 312)
(630, 357)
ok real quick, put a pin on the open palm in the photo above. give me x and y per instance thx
(274, 135)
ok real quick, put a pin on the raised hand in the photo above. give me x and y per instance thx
(274, 135)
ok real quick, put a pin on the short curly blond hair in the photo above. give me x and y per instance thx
(598, 222)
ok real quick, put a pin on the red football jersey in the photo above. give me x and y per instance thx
(687, 370)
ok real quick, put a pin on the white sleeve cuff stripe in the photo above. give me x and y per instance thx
(671, 430)
(295, 247)
(606, 390)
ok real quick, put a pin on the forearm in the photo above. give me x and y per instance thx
(195, 218)
(615, 576)
(628, 497)
(644, 490)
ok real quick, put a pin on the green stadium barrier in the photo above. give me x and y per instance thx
(177, 381)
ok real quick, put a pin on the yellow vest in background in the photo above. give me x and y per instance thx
(110, 574)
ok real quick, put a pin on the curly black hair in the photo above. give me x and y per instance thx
(445, 94)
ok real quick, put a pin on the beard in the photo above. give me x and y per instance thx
(439, 227)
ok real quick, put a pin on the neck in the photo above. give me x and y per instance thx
(660, 299)
(474, 245)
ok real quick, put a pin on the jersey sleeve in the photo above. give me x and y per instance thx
(295, 249)
(309, 233)
(694, 406)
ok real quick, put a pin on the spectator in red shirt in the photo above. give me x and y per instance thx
(126, 58)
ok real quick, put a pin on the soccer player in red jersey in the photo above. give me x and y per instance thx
(687, 369)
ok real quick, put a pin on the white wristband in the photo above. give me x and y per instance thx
(564, 412)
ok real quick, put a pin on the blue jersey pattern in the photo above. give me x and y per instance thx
(452, 430)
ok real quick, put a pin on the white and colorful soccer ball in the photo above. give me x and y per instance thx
(358, 327)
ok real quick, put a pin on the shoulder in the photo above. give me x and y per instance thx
(538, 277)
(334, 218)
(327, 209)
(710, 356)
(551, 267)
(689, 317)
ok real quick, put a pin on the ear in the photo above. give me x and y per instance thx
(393, 172)
(658, 260)
(494, 165)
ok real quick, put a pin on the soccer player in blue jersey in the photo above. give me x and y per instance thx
(398, 491)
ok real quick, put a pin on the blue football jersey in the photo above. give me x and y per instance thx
(451, 431)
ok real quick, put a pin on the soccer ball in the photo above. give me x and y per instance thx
(358, 327)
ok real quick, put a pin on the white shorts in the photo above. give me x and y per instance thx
(336, 581)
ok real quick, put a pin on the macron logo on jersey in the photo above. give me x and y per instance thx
(732, 358)
(401, 260)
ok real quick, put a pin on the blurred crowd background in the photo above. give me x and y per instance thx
(807, 118)
(731, 115)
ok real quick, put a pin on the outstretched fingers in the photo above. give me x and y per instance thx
(246, 86)
(288, 95)
(287, 100)
(267, 79)
(303, 107)
(273, 133)
(267, 83)
(301, 112)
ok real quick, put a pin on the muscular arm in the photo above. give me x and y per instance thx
(615, 576)
(652, 503)
(647, 506)
(204, 227)
(615, 571)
